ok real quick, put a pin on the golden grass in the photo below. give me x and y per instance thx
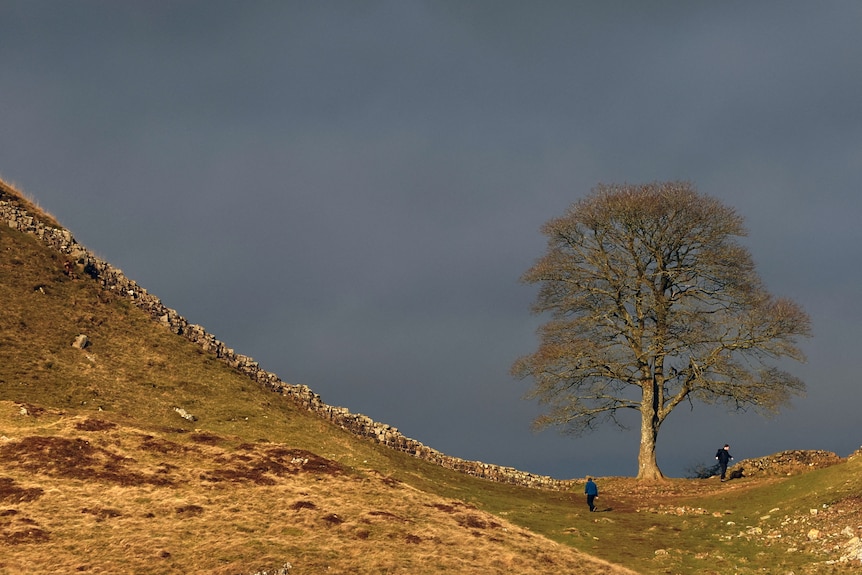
(89, 496)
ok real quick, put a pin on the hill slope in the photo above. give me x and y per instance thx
(143, 452)
(81, 494)
(140, 452)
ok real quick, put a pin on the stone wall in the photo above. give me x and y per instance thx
(786, 463)
(113, 279)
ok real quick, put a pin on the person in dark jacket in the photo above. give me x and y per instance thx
(592, 491)
(723, 455)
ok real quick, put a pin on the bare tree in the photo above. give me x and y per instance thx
(654, 302)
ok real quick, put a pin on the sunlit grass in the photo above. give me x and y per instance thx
(155, 505)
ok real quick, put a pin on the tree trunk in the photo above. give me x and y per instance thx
(647, 466)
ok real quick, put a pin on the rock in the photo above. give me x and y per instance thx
(852, 551)
(814, 535)
(285, 569)
(185, 414)
(81, 342)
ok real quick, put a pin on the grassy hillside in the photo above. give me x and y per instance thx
(101, 473)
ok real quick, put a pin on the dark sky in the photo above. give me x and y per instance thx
(349, 191)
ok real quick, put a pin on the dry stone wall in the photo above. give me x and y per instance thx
(786, 463)
(113, 279)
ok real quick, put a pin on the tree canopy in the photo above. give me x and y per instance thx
(652, 302)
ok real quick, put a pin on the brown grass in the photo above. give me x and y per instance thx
(83, 496)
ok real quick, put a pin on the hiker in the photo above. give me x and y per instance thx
(723, 455)
(592, 491)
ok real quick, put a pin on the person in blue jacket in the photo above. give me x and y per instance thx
(592, 491)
